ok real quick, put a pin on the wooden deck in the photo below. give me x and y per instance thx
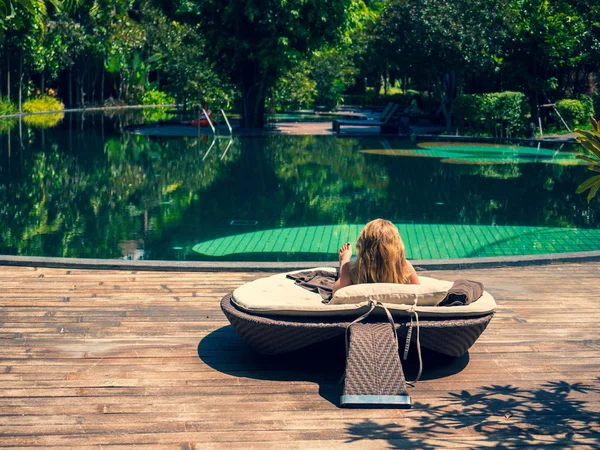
(146, 360)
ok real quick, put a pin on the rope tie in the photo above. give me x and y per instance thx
(413, 311)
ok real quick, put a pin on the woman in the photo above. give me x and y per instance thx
(380, 258)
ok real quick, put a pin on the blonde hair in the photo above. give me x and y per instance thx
(380, 254)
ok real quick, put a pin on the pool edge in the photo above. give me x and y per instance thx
(258, 266)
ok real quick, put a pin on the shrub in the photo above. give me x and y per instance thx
(43, 103)
(509, 111)
(572, 111)
(295, 90)
(588, 106)
(469, 113)
(156, 97)
(7, 108)
(501, 114)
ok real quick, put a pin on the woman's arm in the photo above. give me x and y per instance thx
(344, 279)
(412, 278)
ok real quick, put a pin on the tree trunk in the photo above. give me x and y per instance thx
(7, 75)
(102, 89)
(254, 95)
(21, 82)
(43, 83)
(71, 87)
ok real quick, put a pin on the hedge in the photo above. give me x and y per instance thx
(499, 114)
(573, 112)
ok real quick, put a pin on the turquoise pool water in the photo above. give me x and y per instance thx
(82, 187)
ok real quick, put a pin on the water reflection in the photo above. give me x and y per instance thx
(88, 188)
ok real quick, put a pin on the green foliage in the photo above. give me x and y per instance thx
(293, 90)
(7, 124)
(153, 96)
(588, 106)
(43, 103)
(502, 114)
(333, 74)
(591, 141)
(255, 42)
(44, 120)
(545, 40)
(470, 114)
(572, 111)
(7, 108)
(181, 57)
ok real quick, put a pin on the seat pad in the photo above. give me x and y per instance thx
(278, 295)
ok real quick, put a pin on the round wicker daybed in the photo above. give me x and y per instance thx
(275, 316)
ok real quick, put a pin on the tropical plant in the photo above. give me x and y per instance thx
(43, 103)
(591, 141)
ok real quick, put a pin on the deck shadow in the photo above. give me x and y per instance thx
(322, 363)
(553, 414)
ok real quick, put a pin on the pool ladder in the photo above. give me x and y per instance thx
(212, 127)
(215, 136)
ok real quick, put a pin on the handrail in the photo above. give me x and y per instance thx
(227, 121)
(208, 119)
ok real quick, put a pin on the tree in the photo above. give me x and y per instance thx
(184, 70)
(441, 42)
(254, 41)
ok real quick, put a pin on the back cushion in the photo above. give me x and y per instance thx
(429, 293)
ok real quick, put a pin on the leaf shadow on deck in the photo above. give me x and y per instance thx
(554, 414)
(322, 363)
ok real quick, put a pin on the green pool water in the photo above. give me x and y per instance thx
(422, 241)
(80, 186)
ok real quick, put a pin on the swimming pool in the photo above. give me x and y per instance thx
(85, 189)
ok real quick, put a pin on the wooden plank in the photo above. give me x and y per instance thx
(111, 358)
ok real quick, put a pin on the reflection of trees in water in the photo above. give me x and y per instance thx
(80, 193)
(295, 180)
(66, 208)
(327, 178)
(499, 171)
(425, 191)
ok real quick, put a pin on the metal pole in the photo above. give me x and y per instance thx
(209, 148)
(227, 121)
(208, 120)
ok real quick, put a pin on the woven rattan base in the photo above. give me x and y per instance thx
(272, 335)
(374, 376)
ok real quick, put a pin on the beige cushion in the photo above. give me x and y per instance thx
(278, 295)
(429, 293)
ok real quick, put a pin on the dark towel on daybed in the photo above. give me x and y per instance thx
(320, 281)
(462, 292)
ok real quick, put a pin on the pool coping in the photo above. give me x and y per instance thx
(258, 266)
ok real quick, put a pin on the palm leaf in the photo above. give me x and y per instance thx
(588, 159)
(593, 149)
(593, 191)
(587, 184)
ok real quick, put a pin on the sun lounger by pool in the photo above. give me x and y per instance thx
(384, 123)
(275, 316)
